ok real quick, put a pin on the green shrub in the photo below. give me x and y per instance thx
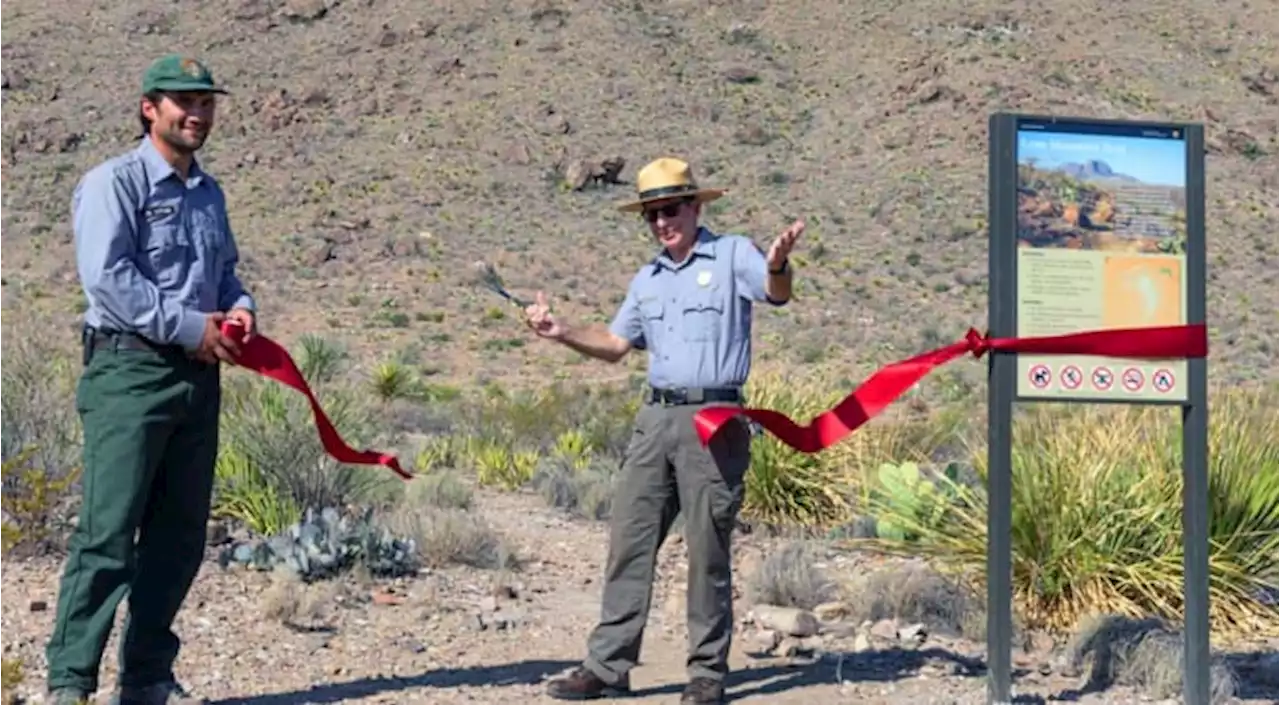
(33, 503)
(40, 442)
(1097, 507)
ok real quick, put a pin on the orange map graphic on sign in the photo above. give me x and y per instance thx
(1141, 291)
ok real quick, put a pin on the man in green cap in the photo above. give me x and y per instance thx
(157, 261)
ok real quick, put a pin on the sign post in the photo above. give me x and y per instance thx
(1095, 224)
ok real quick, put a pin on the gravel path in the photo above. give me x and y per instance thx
(458, 636)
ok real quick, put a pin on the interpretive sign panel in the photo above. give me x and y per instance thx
(1101, 243)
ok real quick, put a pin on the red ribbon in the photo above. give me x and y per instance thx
(887, 384)
(269, 359)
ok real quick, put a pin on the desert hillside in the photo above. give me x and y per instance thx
(371, 151)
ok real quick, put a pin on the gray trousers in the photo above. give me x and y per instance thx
(667, 471)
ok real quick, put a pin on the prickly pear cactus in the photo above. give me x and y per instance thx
(326, 543)
(900, 488)
(908, 497)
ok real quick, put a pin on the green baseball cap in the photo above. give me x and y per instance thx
(176, 73)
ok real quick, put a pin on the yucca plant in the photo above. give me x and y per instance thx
(1097, 508)
(243, 492)
(392, 379)
(497, 464)
(784, 487)
(574, 447)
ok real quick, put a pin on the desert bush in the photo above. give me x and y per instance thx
(242, 491)
(1143, 653)
(583, 486)
(444, 537)
(1097, 507)
(271, 429)
(37, 401)
(40, 441)
(791, 578)
(438, 452)
(915, 593)
(442, 489)
(599, 418)
(498, 465)
(11, 676)
(34, 511)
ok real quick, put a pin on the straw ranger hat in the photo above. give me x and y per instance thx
(667, 178)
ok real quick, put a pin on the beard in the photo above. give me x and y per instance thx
(185, 142)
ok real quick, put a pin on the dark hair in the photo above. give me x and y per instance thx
(152, 97)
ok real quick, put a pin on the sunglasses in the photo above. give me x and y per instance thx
(668, 211)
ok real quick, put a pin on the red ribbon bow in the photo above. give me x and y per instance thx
(269, 359)
(890, 382)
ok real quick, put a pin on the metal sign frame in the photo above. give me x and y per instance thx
(1003, 384)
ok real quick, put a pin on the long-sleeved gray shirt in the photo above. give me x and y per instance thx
(155, 253)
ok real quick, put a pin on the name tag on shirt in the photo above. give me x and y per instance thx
(160, 211)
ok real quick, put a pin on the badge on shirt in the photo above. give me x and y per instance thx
(704, 278)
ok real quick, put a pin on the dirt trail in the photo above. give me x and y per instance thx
(444, 637)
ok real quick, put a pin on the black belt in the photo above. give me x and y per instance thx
(94, 339)
(694, 395)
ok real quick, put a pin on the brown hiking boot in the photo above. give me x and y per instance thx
(703, 691)
(582, 684)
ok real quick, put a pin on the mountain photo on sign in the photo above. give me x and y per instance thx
(1101, 192)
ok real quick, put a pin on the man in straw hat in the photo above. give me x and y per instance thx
(690, 308)
(157, 261)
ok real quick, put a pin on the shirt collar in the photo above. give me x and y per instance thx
(703, 246)
(158, 169)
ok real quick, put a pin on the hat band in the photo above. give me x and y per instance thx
(676, 190)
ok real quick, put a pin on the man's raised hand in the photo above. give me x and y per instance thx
(538, 317)
(781, 247)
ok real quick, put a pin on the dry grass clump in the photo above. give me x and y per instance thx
(791, 577)
(1143, 653)
(914, 593)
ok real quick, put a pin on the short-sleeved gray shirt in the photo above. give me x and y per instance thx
(694, 318)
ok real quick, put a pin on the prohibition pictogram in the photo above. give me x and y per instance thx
(1133, 379)
(1040, 376)
(1072, 377)
(1162, 380)
(1103, 378)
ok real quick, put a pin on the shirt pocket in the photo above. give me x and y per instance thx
(702, 315)
(168, 252)
(652, 313)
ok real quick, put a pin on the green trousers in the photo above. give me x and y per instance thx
(150, 443)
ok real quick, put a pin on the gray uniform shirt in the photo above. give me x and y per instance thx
(155, 253)
(694, 318)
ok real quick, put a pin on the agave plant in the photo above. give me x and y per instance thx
(326, 543)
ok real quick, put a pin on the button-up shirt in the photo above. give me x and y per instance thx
(694, 317)
(155, 251)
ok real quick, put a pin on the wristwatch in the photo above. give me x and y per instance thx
(786, 264)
